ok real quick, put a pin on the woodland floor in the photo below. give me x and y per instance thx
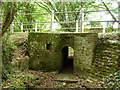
(58, 80)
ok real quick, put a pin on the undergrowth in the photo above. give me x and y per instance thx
(10, 78)
(8, 48)
(113, 80)
(18, 81)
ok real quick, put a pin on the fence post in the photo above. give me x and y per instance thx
(104, 26)
(12, 28)
(52, 18)
(53, 27)
(82, 21)
(22, 27)
(36, 27)
(76, 25)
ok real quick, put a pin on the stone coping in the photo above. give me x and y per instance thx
(62, 33)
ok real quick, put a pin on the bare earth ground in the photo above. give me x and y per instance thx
(59, 80)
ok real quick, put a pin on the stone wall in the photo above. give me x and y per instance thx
(94, 55)
(42, 48)
(106, 55)
(45, 50)
(83, 48)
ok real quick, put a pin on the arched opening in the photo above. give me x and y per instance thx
(67, 60)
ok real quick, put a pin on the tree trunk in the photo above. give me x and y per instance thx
(9, 17)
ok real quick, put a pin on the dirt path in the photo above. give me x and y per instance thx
(63, 79)
(58, 80)
(67, 75)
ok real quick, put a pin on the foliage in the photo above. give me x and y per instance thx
(9, 11)
(8, 48)
(24, 15)
(100, 30)
(10, 77)
(65, 7)
(113, 80)
(18, 81)
(15, 12)
(94, 24)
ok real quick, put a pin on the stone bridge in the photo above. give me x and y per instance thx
(49, 51)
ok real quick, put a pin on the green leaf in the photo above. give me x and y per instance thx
(110, 83)
(116, 73)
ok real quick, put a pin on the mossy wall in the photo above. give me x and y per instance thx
(106, 55)
(83, 47)
(93, 55)
(45, 50)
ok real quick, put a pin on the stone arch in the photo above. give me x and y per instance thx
(67, 61)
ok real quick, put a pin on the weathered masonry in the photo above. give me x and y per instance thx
(48, 51)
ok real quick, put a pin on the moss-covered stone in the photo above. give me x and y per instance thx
(45, 50)
(106, 56)
(94, 55)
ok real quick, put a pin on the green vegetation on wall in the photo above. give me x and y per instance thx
(106, 55)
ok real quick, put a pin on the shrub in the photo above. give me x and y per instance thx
(8, 48)
(113, 80)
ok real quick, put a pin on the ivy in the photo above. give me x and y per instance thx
(113, 80)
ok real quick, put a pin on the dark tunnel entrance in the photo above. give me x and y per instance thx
(67, 60)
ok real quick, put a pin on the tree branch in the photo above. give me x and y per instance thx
(110, 12)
